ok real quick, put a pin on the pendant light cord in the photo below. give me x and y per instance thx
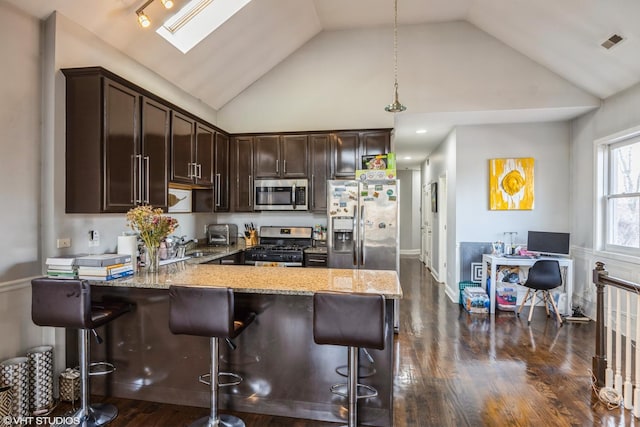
(395, 43)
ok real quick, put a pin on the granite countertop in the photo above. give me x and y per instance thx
(270, 280)
(316, 250)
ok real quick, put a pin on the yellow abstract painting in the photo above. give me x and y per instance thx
(511, 184)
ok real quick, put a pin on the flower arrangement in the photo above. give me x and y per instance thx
(152, 227)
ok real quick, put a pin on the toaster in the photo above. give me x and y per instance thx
(222, 234)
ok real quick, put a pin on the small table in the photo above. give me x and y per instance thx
(495, 260)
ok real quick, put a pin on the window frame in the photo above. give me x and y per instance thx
(603, 189)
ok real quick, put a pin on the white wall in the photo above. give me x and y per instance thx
(409, 211)
(548, 144)
(454, 66)
(619, 112)
(20, 136)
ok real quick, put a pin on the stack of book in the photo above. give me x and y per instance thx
(62, 267)
(104, 267)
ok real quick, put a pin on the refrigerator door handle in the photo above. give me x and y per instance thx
(354, 239)
(362, 236)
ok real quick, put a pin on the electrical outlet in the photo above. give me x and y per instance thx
(94, 238)
(63, 243)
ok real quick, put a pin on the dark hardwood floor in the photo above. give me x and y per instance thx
(458, 369)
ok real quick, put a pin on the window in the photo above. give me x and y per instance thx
(622, 196)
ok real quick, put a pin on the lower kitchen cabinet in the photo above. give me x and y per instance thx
(315, 259)
(234, 259)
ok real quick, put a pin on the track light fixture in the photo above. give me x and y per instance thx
(143, 19)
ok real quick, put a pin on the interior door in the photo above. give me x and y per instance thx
(425, 228)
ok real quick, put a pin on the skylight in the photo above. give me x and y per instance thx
(196, 20)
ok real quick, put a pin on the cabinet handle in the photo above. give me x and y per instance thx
(190, 170)
(134, 177)
(313, 191)
(217, 189)
(139, 195)
(146, 177)
(199, 171)
(277, 165)
(284, 166)
(250, 190)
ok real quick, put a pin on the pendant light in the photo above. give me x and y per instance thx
(395, 106)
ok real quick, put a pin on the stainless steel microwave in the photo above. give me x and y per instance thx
(281, 194)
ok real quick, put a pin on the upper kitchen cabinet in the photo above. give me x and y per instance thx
(115, 158)
(221, 173)
(319, 170)
(280, 156)
(192, 147)
(242, 148)
(348, 148)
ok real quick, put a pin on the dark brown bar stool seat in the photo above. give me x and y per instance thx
(67, 304)
(353, 320)
(208, 312)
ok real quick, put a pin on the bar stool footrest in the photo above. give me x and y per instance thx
(206, 379)
(363, 371)
(337, 389)
(101, 368)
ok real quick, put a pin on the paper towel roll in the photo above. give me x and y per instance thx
(128, 245)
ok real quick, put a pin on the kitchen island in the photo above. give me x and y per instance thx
(285, 373)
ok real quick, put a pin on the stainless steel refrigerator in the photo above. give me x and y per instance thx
(362, 225)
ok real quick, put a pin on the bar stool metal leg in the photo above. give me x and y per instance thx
(214, 420)
(352, 387)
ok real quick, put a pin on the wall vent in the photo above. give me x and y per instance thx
(612, 41)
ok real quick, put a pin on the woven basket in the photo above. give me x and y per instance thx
(69, 385)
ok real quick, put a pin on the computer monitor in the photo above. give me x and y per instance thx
(548, 243)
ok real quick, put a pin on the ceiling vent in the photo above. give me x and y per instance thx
(612, 41)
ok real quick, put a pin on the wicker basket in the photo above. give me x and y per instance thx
(70, 385)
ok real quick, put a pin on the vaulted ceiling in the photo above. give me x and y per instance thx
(563, 37)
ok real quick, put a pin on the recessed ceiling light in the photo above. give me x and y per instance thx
(421, 131)
(407, 157)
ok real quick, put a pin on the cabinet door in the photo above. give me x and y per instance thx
(221, 170)
(155, 153)
(121, 141)
(319, 149)
(345, 155)
(182, 136)
(243, 174)
(205, 141)
(293, 153)
(375, 142)
(267, 156)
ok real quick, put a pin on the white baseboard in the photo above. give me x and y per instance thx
(409, 252)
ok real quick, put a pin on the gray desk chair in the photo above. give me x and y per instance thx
(543, 276)
(352, 320)
(208, 312)
(67, 304)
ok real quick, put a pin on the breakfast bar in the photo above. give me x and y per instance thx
(285, 373)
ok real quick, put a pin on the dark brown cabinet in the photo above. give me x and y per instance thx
(242, 173)
(280, 156)
(192, 148)
(349, 147)
(221, 173)
(116, 157)
(319, 170)
(155, 153)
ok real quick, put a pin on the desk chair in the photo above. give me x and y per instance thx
(543, 276)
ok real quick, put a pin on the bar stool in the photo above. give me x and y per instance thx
(353, 320)
(67, 304)
(208, 312)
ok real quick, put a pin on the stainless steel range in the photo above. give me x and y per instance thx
(280, 247)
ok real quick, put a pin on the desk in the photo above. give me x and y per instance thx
(494, 261)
